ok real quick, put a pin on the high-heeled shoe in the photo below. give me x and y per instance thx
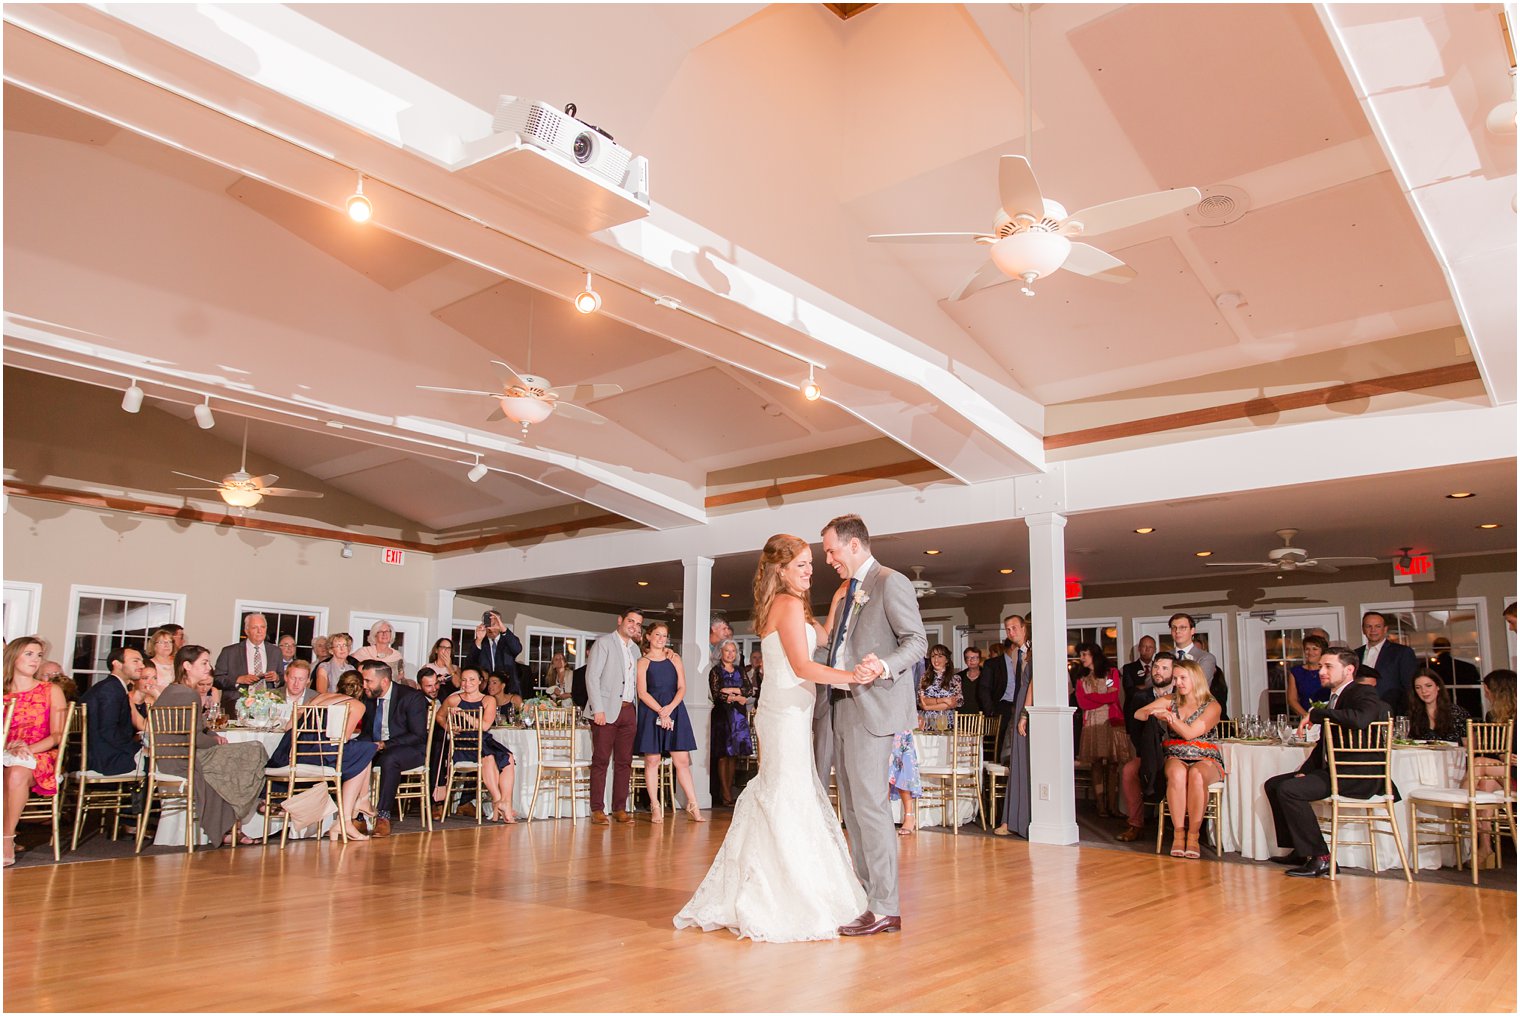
(909, 824)
(656, 812)
(1179, 842)
(693, 812)
(10, 852)
(1191, 850)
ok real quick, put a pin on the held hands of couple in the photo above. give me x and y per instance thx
(868, 669)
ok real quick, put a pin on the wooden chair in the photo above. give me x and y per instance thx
(1461, 819)
(308, 766)
(1362, 755)
(50, 809)
(97, 792)
(416, 783)
(1224, 730)
(992, 735)
(961, 779)
(664, 788)
(464, 736)
(171, 738)
(1213, 813)
(996, 783)
(560, 764)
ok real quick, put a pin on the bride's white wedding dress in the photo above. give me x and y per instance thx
(783, 873)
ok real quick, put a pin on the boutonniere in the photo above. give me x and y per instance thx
(861, 599)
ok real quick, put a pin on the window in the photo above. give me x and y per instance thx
(23, 602)
(1103, 633)
(1447, 638)
(300, 622)
(462, 635)
(102, 619)
(542, 643)
(1285, 650)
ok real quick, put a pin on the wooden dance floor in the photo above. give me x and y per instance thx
(550, 917)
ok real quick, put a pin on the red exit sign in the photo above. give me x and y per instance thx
(1421, 568)
(392, 555)
(1073, 589)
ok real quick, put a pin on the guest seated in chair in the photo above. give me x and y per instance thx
(297, 690)
(395, 718)
(1500, 685)
(503, 694)
(1141, 778)
(113, 718)
(497, 768)
(31, 743)
(1193, 759)
(1433, 715)
(358, 753)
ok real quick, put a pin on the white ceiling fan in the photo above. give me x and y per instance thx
(922, 587)
(1289, 558)
(528, 399)
(242, 490)
(1031, 235)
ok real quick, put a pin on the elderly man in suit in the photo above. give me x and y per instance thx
(1396, 664)
(611, 686)
(1354, 706)
(112, 736)
(395, 718)
(249, 661)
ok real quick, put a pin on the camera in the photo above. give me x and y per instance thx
(485, 618)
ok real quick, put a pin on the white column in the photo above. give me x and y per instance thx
(443, 615)
(696, 598)
(1053, 815)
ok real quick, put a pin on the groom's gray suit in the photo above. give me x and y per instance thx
(864, 719)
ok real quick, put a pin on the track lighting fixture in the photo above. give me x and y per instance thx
(203, 418)
(359, 207)
(588, 300)
(347, 551)
(811, 391)
(131, 399)
(477, 471)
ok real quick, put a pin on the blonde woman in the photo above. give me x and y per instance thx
(381, 635)
(340, 644)
(160, 656)
(1193, 758)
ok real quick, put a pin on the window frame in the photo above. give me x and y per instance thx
(1477, 604)
(241, 607)
(79, 591)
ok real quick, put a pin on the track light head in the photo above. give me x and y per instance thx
(588, 300)
(203, 418)
(347, 551)
(478, 471)
(132, 398)
(359, 207)
(811, 391)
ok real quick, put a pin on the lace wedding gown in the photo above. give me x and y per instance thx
(783, 873)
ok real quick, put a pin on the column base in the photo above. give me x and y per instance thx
(1052, 778)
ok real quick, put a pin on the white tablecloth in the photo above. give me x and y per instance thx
(524, 745)
(934, 750)
(171, 826)
(1247, 824)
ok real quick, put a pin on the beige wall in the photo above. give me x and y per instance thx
(213, 566)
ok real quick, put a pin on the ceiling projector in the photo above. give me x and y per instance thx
(562, 134)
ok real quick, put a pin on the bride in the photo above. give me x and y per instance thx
(783, 873)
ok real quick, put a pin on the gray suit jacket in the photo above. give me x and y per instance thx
(1204, 659)
(604, 677)
(888, 625)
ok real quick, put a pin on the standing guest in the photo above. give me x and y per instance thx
(340, 644)
(441, 661)
(51, 671)
(756, 674)
(1458, 675)
(1433, 716)
(287, 644)
(1219, 687)
(611, 685)
(1292, 795)
(579, 697)
(497, 767)
(558, 678)
(718, 632)
(1193, 758)
(1187, 647)
(496, 650)
(1104, 745)
(663, 727)
(247, 662)
(1304, 683)
(178, 632)
(160, 650)
(971, 681)
(1395, 663)
(112, 720)
(1138, 671)
(1015, 667)
(31, 743)
(1141, 778)
(731, 737)
(319, 650)
(380, 649)
(298, 690)
(395, 718)
(939, 690)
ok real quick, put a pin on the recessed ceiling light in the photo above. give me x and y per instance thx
(1488, 525)
(1143, 530)
(1457, 494)
(643, 583)
(931, 553)
(1203, 553)
(725, 595)
(1005, 571)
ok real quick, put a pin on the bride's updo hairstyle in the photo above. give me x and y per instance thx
(780, 551)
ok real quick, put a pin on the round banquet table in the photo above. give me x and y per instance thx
(523, 741)
(1247, 823)
(171, 825)
(934, 750)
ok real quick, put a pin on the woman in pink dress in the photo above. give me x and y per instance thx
(37, 709)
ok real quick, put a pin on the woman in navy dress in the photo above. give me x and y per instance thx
(731, 737)
(497, 768)
(663, 728)
(358, 753)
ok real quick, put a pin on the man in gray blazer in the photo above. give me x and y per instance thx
(877, 632)
(1182, 626)
(248, 661)
(610, 691)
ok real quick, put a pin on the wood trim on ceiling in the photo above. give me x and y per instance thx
(847, 11)
(884, 472)
(1412, 381)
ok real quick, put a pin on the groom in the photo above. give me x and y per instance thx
(877, 633)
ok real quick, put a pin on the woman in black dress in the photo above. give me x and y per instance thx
(731, 737)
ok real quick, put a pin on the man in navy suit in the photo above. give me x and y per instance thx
(395, 718)
(1396, 664)
(496, 650)
(112, 745)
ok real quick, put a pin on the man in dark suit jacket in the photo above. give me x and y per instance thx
(1137, 672)
(1460, 676)
(1292, 795)
(1140, 779)
(1396, 664)
(112, 747)
(496, 650)
(395, 718)
(578, 694)
(248, 661)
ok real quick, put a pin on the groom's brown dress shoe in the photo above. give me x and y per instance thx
(866, 924)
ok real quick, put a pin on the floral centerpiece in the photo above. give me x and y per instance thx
(260, 708)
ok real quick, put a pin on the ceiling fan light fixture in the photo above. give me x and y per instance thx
(132, 398)
(358, 206)
(525, 410)
(203, 418)
(1458, 495)
(240, 497)
(1030, 255)
(588, 300)
(1005, 571)
(1488, 525)
(1203, 553)
(1146, 530)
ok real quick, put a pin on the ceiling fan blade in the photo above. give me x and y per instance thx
(1018, 190)
(197, 488)
(1085, 259)
(264, 481)
(949, 594)
(1369, 560)
(458, 391)
(952, 588)
(576, 412)
(202, 479)
(924, 237)
(1240, 564)
(508, 376)
(289, 492)
(985, 277)
(494, 415)
(584, 393)
(1106, 218)
(1319, 567)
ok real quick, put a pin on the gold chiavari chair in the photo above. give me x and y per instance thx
(664, 788)
(466, 736)
(324, 728)
(416, 783)
(50, 809)
(961, 778)
(1362, 755)
(560, 763)
(996, 782)
(97, 792)
(171, 739)
(1213, 813)
(1467, 809)
(1224, 730)
(992, 734)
